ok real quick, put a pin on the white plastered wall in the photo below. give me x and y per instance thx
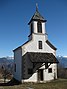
(32, 46)
(50, 76)
(17, 61)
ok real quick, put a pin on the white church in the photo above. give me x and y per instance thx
(35, 60)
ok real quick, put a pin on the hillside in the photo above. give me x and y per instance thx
(7, 62)
(62, 60)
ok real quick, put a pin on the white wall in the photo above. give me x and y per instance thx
(17, 61)
(50, 76)
(32, 46)
(43, 28)
(35, 26)
(33, 78)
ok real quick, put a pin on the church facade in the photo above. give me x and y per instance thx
(35, 60)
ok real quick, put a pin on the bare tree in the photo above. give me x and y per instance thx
(5, 72)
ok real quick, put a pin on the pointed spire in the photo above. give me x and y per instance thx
(36, 6)
(37, 16)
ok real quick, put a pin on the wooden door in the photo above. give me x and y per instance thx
(40, 75)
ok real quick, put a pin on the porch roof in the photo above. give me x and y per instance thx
(37, 57)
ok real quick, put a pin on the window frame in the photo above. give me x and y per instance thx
(49, 70)
(15, 67)
(39, 27)
(40, 44)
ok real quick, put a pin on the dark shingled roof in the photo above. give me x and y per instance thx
(41, 57)
(51, 45)
(37, 16)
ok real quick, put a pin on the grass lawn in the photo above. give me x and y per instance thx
(57, 84)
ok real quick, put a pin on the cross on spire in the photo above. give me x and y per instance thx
(36, 6)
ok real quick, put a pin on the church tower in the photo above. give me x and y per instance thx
(37, 25)
(35, 60)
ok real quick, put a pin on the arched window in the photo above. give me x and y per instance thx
(39, 27)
